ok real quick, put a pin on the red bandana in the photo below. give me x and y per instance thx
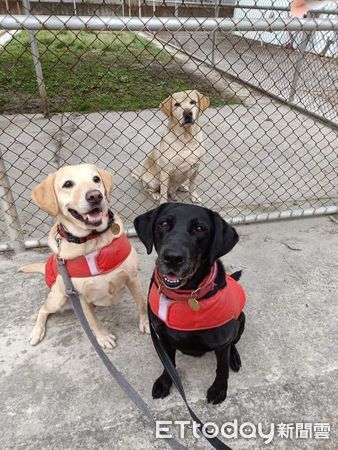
(173, 308)
(95, 263)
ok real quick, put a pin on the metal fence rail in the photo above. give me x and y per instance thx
(87, 89)
(172, 24)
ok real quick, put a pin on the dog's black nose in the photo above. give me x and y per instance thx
(172, 258)
(94, 196)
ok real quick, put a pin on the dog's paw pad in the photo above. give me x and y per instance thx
(235, 359)
(160, 389)
(106, 340)
(216, 395)
(37, 335)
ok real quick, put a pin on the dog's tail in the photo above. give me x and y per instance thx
(36, 267)
(136, 174)
(236, 275)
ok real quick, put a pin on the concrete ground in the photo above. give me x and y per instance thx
(58, 395)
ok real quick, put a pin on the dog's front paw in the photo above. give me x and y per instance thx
(216, 394)
(183, 188)
(195, 198)
(161, 388)
(144, 324)
(37, 334)
(106, 340)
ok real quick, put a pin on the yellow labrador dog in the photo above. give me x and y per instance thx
(91, 239)
(174, 161)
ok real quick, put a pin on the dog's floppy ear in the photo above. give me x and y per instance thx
(203, 101)
(43, 195)
(225, 238)
(166, 105)
(107, 180)
(144, 226)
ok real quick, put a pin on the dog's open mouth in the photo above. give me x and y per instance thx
(171, 280)
(92, 218)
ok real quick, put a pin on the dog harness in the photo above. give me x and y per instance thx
(95, 263)
(173, 307)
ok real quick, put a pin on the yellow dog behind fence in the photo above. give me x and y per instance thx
(173, 164)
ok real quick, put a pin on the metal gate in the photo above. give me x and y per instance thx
(87, 89)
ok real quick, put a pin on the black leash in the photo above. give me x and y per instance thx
(73, 296)
(171, 369)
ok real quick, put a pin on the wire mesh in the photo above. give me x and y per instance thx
(269, 134)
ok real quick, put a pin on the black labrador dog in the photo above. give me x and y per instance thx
(189, 240)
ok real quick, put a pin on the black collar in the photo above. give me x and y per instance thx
(93, 235)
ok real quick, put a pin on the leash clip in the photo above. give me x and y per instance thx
(70, 291)
(196, 291)
(60, 260)
(58, 243)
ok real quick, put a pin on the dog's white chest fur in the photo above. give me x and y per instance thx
(178, 154)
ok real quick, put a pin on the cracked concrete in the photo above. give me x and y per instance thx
(58, 395)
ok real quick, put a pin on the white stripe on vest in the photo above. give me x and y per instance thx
(164, 302)
(91, 261)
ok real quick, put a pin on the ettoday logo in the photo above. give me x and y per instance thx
(247, 430)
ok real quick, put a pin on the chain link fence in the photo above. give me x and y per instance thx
(83, 81)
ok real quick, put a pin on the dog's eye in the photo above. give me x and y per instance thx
(68, 184)
(199, 228)
(177, 104)
(163, 224)
(96, 179)
(192, 102)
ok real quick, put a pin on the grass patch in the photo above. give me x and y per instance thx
(87, 71)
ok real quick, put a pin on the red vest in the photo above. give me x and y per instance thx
(214, 311)
(95, 263)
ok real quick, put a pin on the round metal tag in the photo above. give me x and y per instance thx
(115, 228)
(194, 304)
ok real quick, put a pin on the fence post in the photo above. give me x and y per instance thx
(9, 210)
(306, 36)
(214, 33)
(37, 63)
(301, 52)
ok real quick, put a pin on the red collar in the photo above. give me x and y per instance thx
(206, 286)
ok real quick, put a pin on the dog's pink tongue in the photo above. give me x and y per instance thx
(172, 277)
(94, 216)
